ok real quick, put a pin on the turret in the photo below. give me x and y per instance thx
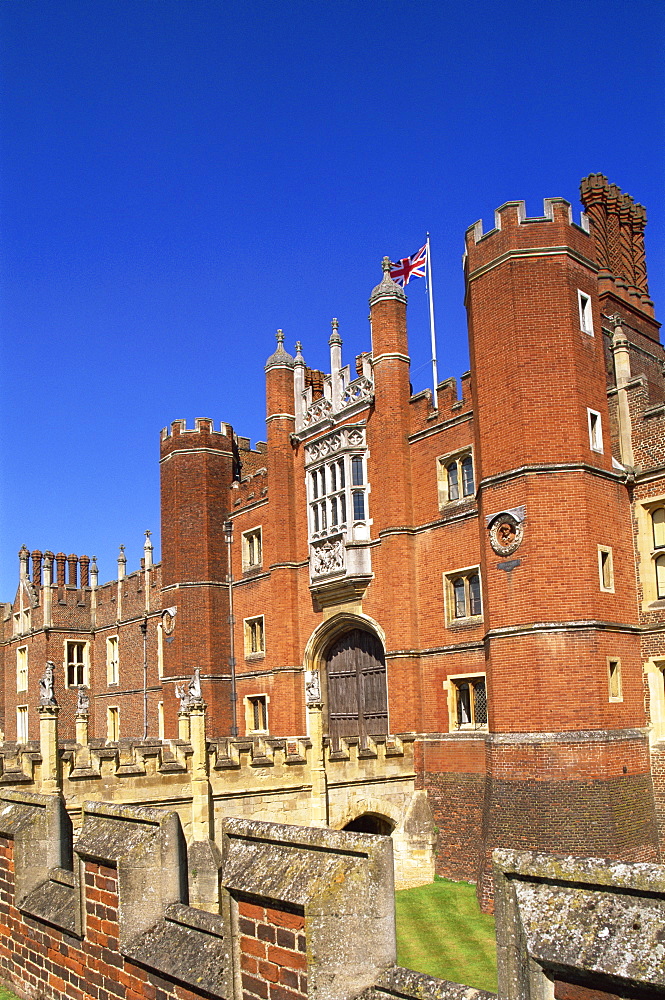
(391, 365)
(559, 601)
(389, 462)
(284, 377)
(197, 469)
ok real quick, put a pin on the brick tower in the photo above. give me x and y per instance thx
(281, 551)
(391, 502)
(567, 764)
(197, 470)
(390, 365)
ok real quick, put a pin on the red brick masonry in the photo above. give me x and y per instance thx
(272, 949)
(48, 962)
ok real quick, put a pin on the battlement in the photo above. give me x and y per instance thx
(252, 488)
(125, 904)
(128, 759)
(202, 425)
(512, 214)
(515, 234)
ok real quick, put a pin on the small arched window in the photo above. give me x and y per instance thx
(660, 577)
(459, 597)
(467, 477)
(453, 481)
(475, 606)
(658, 525)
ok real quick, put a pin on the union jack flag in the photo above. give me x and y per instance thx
(409, 267)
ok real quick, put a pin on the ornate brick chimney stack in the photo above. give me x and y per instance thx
(617, 225)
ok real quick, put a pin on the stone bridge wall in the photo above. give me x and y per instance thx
(280, 912)
(254, 778)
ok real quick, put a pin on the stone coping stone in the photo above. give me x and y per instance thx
(410, 985)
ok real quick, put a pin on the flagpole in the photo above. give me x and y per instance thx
(435, 376)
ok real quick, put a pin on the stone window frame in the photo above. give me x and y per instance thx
(606, 568)
(585, 309)
(21, 668)
(249, 539)
(655, 673)
(21, 621)
(595, 427)
(331, 505)
(160, 649)
(160, 720)
(253, 702)
(22, 722)
(614, 679)
(443, 464)
(112, 723)
(249, 625)
(84, 663)
(648, 553)
(112, 663)
(449, 579)
(452, 686)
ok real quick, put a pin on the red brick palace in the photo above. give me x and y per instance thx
(488, 575)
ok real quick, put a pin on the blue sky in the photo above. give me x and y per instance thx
(180, 178)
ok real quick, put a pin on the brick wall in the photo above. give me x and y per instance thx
(453, 772)
(44, 960)
(573, 991)
(273, 952)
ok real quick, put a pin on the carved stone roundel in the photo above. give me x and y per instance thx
(506, 534)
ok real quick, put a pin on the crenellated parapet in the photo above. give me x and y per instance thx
(514, 232)
(270, 770)
(251, 489)
(179, 437)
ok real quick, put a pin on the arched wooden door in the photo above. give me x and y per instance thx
(357, 693)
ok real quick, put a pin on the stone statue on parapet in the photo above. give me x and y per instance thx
(83, 701)
(182, 693)
(194, 688)
(46, 695)
(190, 694)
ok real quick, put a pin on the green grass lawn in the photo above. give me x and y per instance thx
(6, 994)
(441, 931)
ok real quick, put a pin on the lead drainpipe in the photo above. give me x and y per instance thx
(228, 531)
(144, 631)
